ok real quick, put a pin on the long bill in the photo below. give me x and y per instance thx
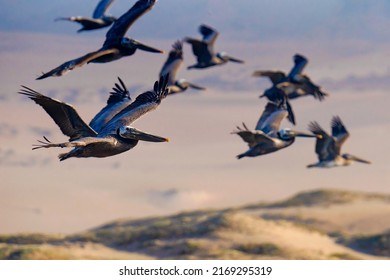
(146, 48)
(139, 135)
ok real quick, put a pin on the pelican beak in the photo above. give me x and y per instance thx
(143, 136)
(146, 48)
(359, 159)
(302, 134)
(236, 60)
(261, 96)
(196, 87)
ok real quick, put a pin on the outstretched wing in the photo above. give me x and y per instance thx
(119, 98)
(173, 62)
(325, 145)
(209, 34)
(200, 49)
(123, 23)
(339, 132)
(144, 103)
(299, 64)
(63, 114)
(78, 62)
(253, 138)
(101, 8)
(271, 118)
(276, 77)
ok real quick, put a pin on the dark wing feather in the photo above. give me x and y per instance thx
(325, 145)
(123, 23)
(101, 8)
(119, 98)
(200, 49)
(339, 132)
(276, 77)
(299, 64)
(173, 62)
(78, 62)
(252, 138)
(209, 34)
(64, 115)
(144, 103)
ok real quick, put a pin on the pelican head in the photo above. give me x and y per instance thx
(225, 57)
(129, 132)
(349, 158)
(288, 134)
(133, 44)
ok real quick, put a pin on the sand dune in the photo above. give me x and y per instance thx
(324, 224)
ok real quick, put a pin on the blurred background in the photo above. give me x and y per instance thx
(347, 43)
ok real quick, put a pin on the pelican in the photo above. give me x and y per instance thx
(204, 49)
(328, 148)
(294, 84)
(110, 131)
(171, 66)
(115, 46)
(99, 18)
(267, 136)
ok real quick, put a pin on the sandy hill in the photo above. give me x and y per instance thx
(323, 224)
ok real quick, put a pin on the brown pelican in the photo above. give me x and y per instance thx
(171, 66)
(204, 49)
(109, 132)
(115, 46)
(328, 148)
(267, 136)
(294, 84)
(99, 18)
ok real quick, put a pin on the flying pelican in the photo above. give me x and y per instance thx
(328, 148)
(204, 49)
(294, 84)
(171, 66)
(99, 18)
(115, 46)
(267, 136)
(109, 132)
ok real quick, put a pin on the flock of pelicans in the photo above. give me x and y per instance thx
(110, 131)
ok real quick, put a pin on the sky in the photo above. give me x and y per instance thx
(346, 42)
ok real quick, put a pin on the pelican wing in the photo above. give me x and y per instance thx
(271, 119)
(78, 62)
(144, 103)
(305, 84)
(124, 22)
(101, 8)
(209, 34)
(63, 114)
(325, 144)
(200, 49)
(173, 62)
(299, 64)
(339, 132)
(276, 77)
(253, 138)
(119, 98)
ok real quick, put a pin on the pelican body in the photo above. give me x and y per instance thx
(328, 147)
(109, 133)
(267, 136)
(294, 84)
(171, 66)
(99, 18)
(204, 50)
(115, 46)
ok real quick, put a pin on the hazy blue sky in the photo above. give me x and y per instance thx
(244, 19)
